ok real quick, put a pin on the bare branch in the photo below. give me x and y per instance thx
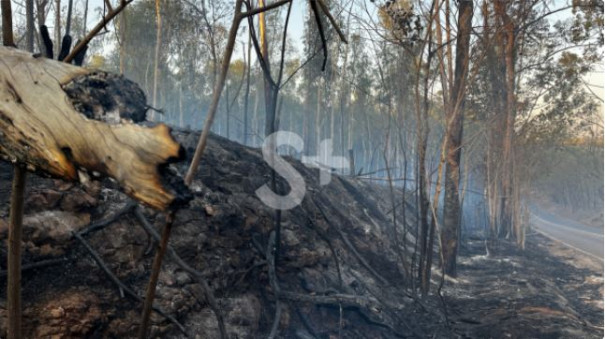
(322, 35)
(121, 285)
(84, 42)
(252, 12)
(108, 4)
(326, 11)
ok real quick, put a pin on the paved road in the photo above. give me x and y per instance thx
(573, 234)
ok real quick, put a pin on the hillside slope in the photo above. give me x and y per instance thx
(339, 272)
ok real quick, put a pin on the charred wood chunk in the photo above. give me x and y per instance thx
(46, 42)
(107, 97)
(65, 47)
(79, 58)
(72, 124)
(173, 182)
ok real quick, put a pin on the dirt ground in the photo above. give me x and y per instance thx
(546, 291)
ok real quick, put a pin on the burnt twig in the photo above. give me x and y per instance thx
(322, 234)
(182, 264)
(106, 19)
(98, 225)
(14, 253)
(371, 305)
(270, 255)
(326, 11)
(322, 35)
(122, 286)
(351, 247)
(37, 264)
(155, 273)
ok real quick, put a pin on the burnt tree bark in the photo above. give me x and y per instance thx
(156, 59)
(508, 183)
(13, 288)
(451, 206)
(422, 177)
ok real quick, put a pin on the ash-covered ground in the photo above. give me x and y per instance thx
(339, 271)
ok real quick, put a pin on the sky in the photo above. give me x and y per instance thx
(296, 30)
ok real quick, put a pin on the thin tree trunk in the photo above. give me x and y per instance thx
(41, 17)
(14, 253)
(70, 6)
(270, 93)
(218, 88)
(155, 273)
(181, 102)
(442, 61)
(494, 140)
(85, 19)
(247, 93)
(123, 28)
(307, 120)
(427, 257)
(227, 110)
(41, 11)
(509, 163)
(17, 196)
(57, 27)
(422, 181)
(454, 130)
(395, 234)
(317, 119)
(506, 41)
(29, 34)
(344, 96)
(212, 42)
(255, 124)
(156, 61)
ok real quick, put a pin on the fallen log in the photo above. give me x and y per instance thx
(70, 122)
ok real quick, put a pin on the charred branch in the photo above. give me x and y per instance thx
(46, 121)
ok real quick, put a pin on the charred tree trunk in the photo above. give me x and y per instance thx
(422, 181)
(451, 206)
(428, 231)
(29, 34)
(13, 288)
(248, 61)
(270, 90)
(508, 144)
(122, 28)
(506, 103)
(57, 27)
(156, 60)
(14, 253)
(85, 18)
(497, 127)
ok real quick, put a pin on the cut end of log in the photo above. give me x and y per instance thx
(63, 121)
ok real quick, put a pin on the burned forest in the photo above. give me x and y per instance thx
(301, 169)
